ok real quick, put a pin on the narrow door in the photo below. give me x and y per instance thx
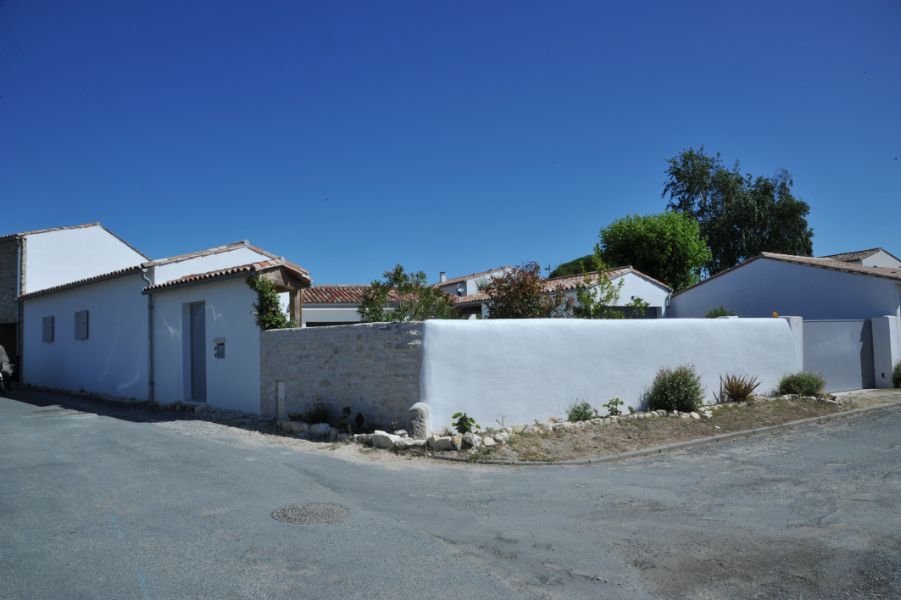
(197, 353)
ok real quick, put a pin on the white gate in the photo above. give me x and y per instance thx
(841, 352)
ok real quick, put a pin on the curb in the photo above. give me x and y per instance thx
(723, 437)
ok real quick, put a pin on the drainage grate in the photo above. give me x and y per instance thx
(310, 513)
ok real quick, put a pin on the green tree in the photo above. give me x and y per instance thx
(740, 216)
(577, 266)
(596, 295)
(403, 296)
(667, 246)
(520, 293)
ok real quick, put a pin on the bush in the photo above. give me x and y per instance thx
(896, 375)
(721, 311)
(613, 407)
(463, 423)
(802, 384)
(579, 412)
(738, 389)
(676, 389)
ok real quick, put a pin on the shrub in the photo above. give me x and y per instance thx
(676, 389)
(715, 313)
(738, 389)
(613, 407)
(464, 423)
(896, 375)
(802, 384)
(580, 412)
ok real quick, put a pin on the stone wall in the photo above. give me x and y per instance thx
(9, 311)
(372, 368)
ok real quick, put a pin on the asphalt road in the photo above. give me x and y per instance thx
(99, 506)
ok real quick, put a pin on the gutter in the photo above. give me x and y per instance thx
(150, 380)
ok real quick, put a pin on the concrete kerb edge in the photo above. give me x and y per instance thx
(723, 437)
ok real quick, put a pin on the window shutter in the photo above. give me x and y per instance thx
(48, 330)
(81, 325)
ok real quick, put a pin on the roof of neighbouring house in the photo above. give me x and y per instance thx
(334, 294)
(255, 267)
(812, 261)
(468, 277)
(21, 234)
(563, 284)
(859, 255)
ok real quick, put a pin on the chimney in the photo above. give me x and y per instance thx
(442, 277)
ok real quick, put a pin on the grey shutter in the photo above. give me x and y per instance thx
(81, 325)
(48, 329)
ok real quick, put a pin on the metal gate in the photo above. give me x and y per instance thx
(841, 352)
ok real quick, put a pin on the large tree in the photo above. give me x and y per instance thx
(667, 246)
(740, 216)
(403, 296)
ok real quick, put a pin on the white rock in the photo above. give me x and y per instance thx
(321, 429)
(405, 442)
(488, 441)
(440, 444)
(400, 432)
(694, 415)
(419, 418)
(502, 437)
(383, 439)
(471, 440)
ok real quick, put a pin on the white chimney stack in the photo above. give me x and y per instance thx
(442, 277)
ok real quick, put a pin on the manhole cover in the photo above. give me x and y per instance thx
(310, 513)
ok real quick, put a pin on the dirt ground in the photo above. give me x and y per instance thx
(635, 434)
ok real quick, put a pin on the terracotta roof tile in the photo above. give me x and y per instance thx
(334, 294)
(257, 267)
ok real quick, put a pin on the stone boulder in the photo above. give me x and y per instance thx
(441, 444)
(420, 421)
(472, 440)
(383, 440)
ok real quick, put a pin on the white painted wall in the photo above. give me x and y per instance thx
(520, 370)
(56, 257)
(233, 382)
(886, 349)
(881, 259)
(204, 264)
(638, 287)
(330, 314)
(112, 361)
(763, 286)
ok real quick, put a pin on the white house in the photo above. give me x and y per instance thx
(332, 305)
(635, 285)
(174, 329)
(31, 261)
(851, 312)
(873, 257)
(812, 288)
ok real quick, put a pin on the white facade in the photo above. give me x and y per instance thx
(60, 256)
(635, 286)
(233, 381)
(172, 269)
(522, 369)
(112, 361)
(881, 258)
(763, 286)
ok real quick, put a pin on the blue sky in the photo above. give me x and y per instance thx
(455, 136)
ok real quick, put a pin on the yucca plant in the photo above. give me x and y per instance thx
(736, 388)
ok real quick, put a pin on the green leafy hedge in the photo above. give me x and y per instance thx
(676, 389)
(802, 384)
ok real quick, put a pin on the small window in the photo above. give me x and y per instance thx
(48, 330)
(81, 325)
